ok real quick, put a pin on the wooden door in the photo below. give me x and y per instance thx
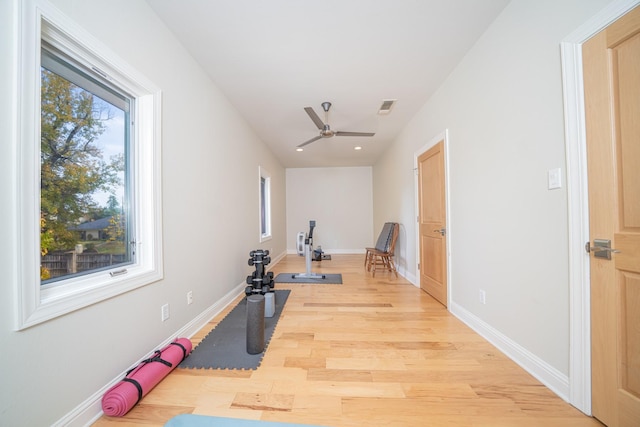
(432, 222)
(612, 104)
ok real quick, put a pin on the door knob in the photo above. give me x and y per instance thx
(601, 248)
(442, 231)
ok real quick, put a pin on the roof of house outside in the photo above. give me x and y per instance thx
(98, 224)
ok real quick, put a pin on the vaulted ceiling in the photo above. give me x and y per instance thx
(273, 58)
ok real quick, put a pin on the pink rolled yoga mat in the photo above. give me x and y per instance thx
(139, 381)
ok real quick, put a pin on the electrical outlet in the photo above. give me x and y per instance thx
(165, 312)
(483, 296)
(190, 297)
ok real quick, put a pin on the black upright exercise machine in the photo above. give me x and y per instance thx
(308, 253)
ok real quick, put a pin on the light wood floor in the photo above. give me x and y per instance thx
(371, 352)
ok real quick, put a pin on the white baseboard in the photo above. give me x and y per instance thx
(409, 276)
(347, 251)
(89, 411)
(555, 380)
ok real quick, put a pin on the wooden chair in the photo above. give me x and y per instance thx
(382, 244)
(381, 257)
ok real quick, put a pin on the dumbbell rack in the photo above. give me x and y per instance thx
(260, 281)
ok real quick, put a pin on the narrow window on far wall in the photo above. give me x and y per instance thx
(265, 205)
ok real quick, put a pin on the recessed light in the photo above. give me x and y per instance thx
(357, 148)
(299, 149)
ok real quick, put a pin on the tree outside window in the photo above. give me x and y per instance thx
(83, 153)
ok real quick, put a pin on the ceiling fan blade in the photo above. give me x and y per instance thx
(309, 141)
(342, 133)
(314, 117)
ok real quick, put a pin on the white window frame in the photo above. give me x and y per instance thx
(265, 203)
(38, 19)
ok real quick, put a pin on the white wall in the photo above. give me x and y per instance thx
(502, 106)
(210, 222)
(341, 202)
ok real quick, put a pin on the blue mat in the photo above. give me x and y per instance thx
(190, 420)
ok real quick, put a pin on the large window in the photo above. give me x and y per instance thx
(85, 171)
(88, 146)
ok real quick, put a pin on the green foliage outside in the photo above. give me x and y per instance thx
(73, 168)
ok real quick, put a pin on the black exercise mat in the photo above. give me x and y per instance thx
(225, 347)
(329, 279)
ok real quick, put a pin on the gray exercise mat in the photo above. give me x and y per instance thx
(225, 347)
(329, 279)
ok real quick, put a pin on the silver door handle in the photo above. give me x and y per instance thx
(442, 231)
(601, 248)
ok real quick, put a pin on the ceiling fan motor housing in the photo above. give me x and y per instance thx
(327, 132)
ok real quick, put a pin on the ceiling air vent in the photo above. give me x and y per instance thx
(386, 106)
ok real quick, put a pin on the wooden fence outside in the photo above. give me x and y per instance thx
(72, 262)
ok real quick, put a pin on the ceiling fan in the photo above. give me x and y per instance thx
(325, 130)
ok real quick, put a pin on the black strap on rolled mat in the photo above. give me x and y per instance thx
(138, 386)
(184, 350)
(157, 357)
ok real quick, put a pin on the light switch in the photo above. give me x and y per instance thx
(555, 178)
